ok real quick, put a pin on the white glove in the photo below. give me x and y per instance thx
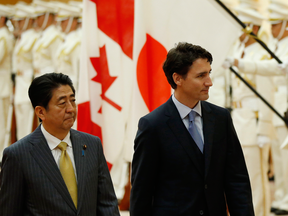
(283, 67)
(228, 62)
(262, 140)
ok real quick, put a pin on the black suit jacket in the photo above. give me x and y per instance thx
(31, 183)
(171, 177)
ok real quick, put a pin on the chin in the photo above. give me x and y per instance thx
(204, 98)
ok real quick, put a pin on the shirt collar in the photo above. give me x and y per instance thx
(53, 141)
(185, 110)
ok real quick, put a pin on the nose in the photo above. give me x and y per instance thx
(70, 107)
(208, 82)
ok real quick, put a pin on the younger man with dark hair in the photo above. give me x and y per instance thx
(188, 159)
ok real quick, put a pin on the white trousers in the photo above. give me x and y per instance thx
(4, 108)
(24, 119)
(257, 164)
(280, 162)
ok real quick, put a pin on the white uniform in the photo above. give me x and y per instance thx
(280, 156)
(219, 93)
(68, 56)
(44, 51)
(6, 47)
(22, 65)
(253, 119)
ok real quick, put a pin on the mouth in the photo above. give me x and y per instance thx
(69, 118)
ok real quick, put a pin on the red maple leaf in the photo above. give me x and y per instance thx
(103, 77)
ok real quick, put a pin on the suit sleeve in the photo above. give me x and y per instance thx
(144, 170)
(237, 184)
(11, 186)
(107, 204)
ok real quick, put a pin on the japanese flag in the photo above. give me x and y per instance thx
(159, 25)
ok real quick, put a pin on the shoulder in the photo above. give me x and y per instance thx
(216, 110)
(20, 147)
(159, 112)
(85, 137)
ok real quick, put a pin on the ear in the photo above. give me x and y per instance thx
(177, 78)
(40, 112)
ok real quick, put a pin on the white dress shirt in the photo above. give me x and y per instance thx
(184, 112)
(53, 142)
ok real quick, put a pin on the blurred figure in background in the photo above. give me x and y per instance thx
(279, 28)
(6, 47)
(252, 119)
(68, 53)
(44, 50)
(23, 67)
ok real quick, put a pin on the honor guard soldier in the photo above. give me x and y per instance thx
(79, 20)
(6, 47)
(220, 93)
(68, 53)
(279, 23)
(44, 58)
(22, 65)
(252, 119)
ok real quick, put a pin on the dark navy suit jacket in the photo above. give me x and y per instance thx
(31, 183)
(171, 177)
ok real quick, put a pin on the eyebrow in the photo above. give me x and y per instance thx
(62, 97)
(204, 72)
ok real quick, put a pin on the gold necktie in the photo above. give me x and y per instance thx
(67, 171)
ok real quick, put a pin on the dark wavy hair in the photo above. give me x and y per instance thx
(180, 59)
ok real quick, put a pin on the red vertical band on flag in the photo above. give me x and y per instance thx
(116, 20)
(85, 124)
(151, 79)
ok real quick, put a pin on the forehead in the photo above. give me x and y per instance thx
(62, 91)
(201, 65)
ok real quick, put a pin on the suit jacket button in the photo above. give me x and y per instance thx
(201, 212)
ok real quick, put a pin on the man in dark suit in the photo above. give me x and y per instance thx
(56, 170)
(174, 174)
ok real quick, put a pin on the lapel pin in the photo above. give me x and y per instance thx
(83, 150)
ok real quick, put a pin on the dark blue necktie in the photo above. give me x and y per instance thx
(194, 132)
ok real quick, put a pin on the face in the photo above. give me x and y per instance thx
(2, 21)
(60, 115)
(40, 20)
(64, 24)
(275, 29)
(21, 24)
(196, 85)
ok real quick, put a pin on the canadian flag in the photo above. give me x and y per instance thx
(106, 68)
(124, 46)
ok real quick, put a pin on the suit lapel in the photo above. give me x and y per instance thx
(80, 165)
(208, 130)
(43, 156)
(180, 131)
